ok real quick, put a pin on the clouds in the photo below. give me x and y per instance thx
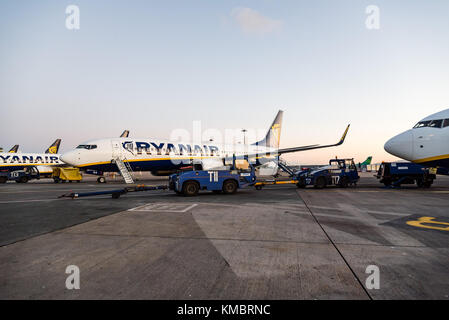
(252, 22)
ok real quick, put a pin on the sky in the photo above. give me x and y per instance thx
(155, 66)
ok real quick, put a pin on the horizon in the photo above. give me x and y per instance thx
(152, 68)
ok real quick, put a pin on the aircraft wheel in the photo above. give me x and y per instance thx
(320, 183)
(229, 187)
(190, 188)
(101, 180)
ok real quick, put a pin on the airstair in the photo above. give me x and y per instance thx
(283, 166)
(125, 170)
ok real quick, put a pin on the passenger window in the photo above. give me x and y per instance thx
(446, 123)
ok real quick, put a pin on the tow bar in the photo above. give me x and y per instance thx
(114, 193)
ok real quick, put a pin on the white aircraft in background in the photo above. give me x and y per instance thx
(427, 143)
(44, 162)
(99, 156)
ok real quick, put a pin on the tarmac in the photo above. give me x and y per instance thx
(277, 243)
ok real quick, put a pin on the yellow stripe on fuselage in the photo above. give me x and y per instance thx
(442, 157)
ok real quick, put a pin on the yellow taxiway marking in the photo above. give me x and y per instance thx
(423, 221)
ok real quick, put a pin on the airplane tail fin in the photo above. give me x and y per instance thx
(14, 149)
(273, 137)
(125, 134)
(368, 160)
(54, 148)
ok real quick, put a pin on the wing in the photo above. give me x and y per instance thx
(293, 149)
(315, 146)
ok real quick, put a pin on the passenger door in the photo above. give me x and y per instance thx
(116, 149)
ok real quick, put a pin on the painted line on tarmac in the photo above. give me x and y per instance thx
(367, 211)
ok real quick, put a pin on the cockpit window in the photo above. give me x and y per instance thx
(436, 123)
(430, 123)
(87, 146)
(446, 123)
(422, 124)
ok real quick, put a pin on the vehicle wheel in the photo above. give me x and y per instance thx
(387, 183)
(101, 180)
(258, 187)
(190, 188)
(230, 187)
(70, 181)
(420, 183)
(320, 183)
(427, 184)
(343, 182)
(301, 183)
(3, 179)
(116, 195)
(23, 180)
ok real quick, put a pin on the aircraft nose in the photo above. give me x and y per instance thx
(70, 158)
(401, 145)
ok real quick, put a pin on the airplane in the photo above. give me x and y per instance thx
(427, 143)
(44, 162)
(99, 156)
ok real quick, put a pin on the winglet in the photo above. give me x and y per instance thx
(344, 136)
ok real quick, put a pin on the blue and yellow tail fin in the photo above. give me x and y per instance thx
(54, 148)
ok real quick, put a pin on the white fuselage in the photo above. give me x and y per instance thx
(427, 143)
(150, 154)
(17, 161)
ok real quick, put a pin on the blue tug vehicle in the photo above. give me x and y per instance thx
(339, 172)
(189, 183)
